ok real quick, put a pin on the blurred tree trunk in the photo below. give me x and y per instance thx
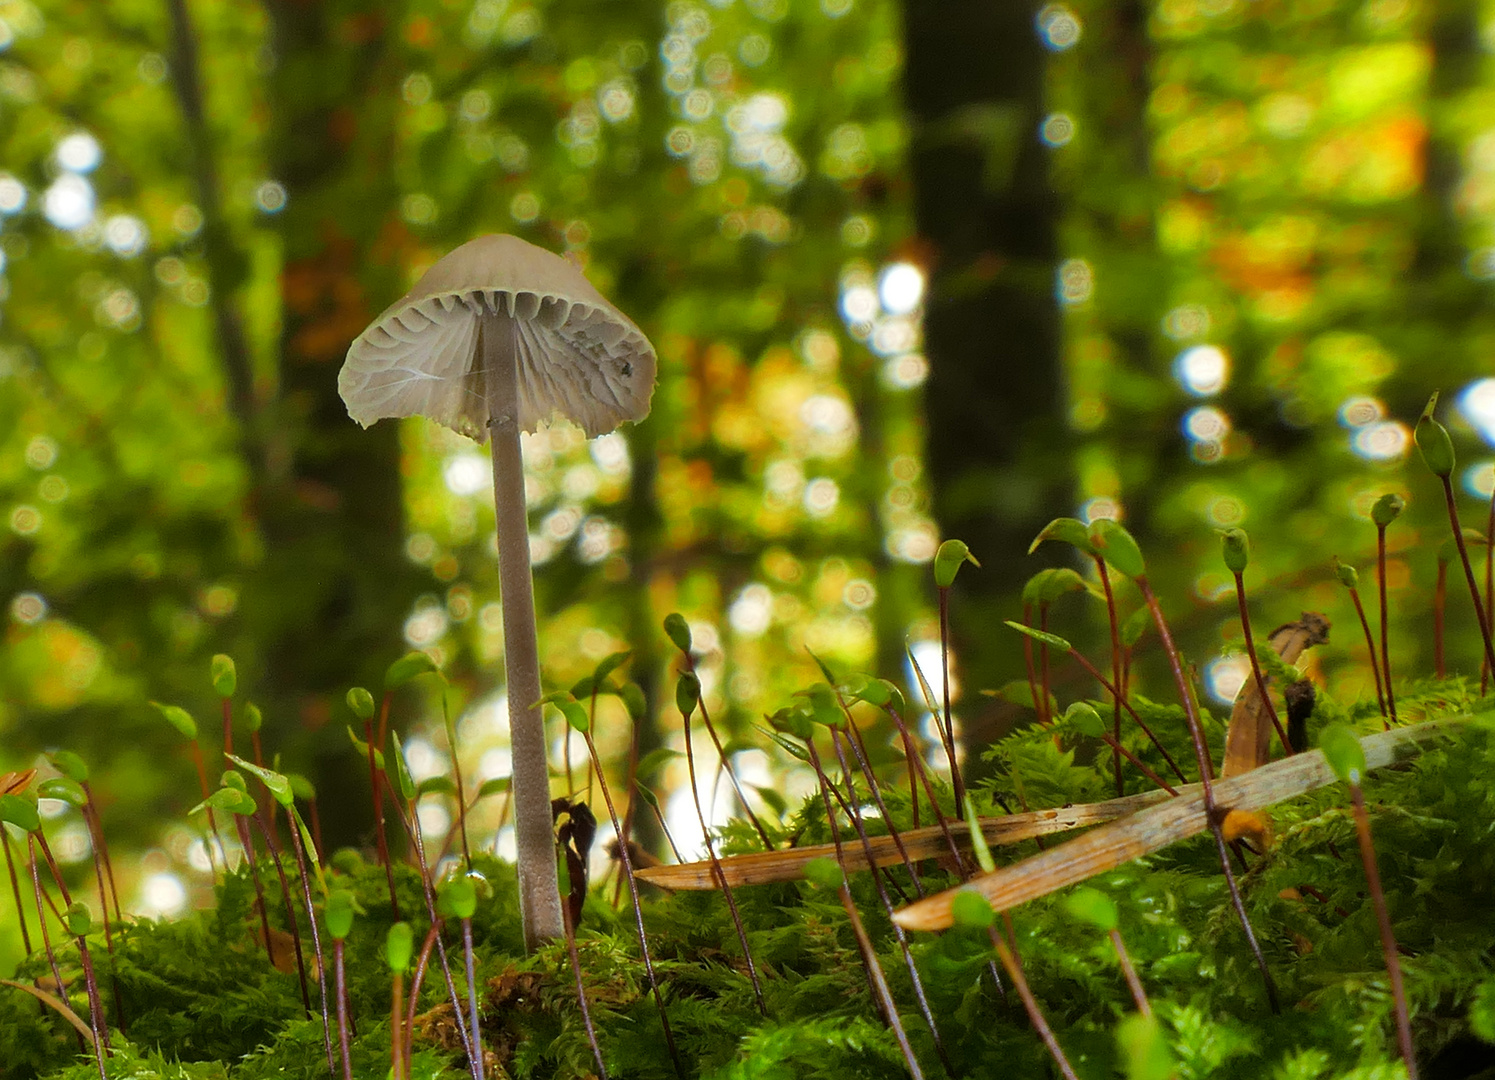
(974, 84)
(334, 585)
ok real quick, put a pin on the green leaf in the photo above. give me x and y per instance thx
(234, 779)
(363, 749)
(1094, 907)
(228, 799)
(951, 556)
(253, 718)
(276, 783)
(1051, 640)
(78, 918)
(442, 785)
(970, 909)
(458, 898)
(1144, 1050)
(687, 693)
(403, 783)
(647, 795)
(20, 812)
(609, 664)
(399, 945)
(576, 715)
(1135, 626)
(773, 798)
(69, 764)
(1235, 548)
(789, 746)
(225, 677)
(824, 708)
(410, 666)
(1433, 441)
(361, 702)
(494, 786)
(824, 872)
(1342, 749)
(178, 718)
(1118, 547)
(632, 696)
(978, 838)
(860, 687)
(649, 764)
(1482, 1011)
(1049, 585)
(338, 914)
(301, 787)
(63, 788)
(678, 631)
(1066, 531)
(1084, 719)
(1348, 576)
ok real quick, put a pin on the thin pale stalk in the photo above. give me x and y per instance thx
(534, 839)
(695, 798)
(246, 843)
(581, 997)
(472, 1000)
(1388, 938)
(85, 958)
(41, 917)
(1261, 680)
(1479, 606)
(433, 935)
(1385, 650)
(638, 910)
(269, 804)
(1206, 780)
(295, 928)
(96, 831)
(316, 940)
(726, 766)
(1129, 973)
(411, 820)
(854, 737)
(342, 1007)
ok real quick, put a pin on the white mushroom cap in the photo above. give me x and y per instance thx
(578, 356)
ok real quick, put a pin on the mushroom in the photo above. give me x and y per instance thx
(498, 337)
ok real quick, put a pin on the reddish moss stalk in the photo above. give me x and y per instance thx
(342, 1007)
(1385, 650)
(1206, 779)
(96, 1018)
(1007, 953)
(397, 1033)
(887, 903)
(376, 789)
(947, 726)
(581, 995)
(1129, 973)
(472, 1000)
(1485, 671)
(1031, 668)
(433, 935)
(285, 895)
(15, 888)
(1440, 601)
(716, 868)
(1261, 680)
(875, 977)
(1479, 606)
(1081, 659)
(638, 910)
(1111, 616)
(1388, 938)
(1375, 663)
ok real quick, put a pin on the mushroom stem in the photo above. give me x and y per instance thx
(539, 889)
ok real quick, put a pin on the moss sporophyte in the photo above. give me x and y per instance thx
(918, 907)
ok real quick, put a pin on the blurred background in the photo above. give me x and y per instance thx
(939, 268)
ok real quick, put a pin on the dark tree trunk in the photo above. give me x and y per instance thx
(333, 587)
